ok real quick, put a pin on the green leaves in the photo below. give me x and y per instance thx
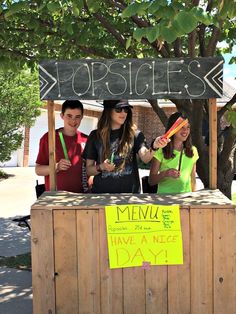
(75, 10)
(232, 61)
(15, 8)
(69, 29)
(54, 6)
(201, 15)
(128, 42)
(19, 106)
(227, 8)
(156, 6)
(135, 9)
(66, 29)
(174, 19)
(93, 5)
(186, 21)
(169, 34)
(152, 33)
(139, 33)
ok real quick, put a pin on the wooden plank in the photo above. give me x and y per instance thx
(65, 246)
(51, 145)
(200, 199)
(42, 261)
(201, 261)
(156, 290)
(88, 261)
(134, 290)
(212, 143)
(224, 261)
(111, 280)
(179, 275)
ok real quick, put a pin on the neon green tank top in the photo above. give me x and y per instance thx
(183, 183)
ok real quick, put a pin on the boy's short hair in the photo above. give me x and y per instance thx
(72, 104)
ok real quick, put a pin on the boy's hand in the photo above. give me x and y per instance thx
(63, 165)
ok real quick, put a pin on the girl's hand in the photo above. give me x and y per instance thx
(173, 173)
(107, 166)
(160, 142)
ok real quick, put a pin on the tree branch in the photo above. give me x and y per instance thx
(110, 29)
(209, 6)
(211, 47)
(196, 124)
(183, 105)
(192, 43)
(17, 53)
(94, 52)
(2, 17)
(201, 38)
(178, 48)
(158, 110)
(229, 143)
(228, 105)
(157, 45)
(27, 30)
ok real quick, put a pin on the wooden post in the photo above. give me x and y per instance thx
(212, 143)
(51, 144)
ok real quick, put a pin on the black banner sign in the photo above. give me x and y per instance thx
(181, 78)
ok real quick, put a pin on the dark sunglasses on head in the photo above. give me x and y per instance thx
(125, 109)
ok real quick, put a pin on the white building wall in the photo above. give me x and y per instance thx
(36, 132)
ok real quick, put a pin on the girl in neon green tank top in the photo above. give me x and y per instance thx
(174, 166)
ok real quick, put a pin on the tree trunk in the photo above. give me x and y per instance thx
(225, 175)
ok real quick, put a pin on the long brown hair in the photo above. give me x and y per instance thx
(168, 150)
(127, 133)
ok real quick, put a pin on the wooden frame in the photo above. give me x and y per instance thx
(212, 144)
(70, 270)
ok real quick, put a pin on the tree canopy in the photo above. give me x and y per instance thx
(33, 30)
(19, 106)
(47, 29)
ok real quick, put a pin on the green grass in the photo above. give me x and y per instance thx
(22, 261)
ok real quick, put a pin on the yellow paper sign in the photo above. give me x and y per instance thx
(140, 234)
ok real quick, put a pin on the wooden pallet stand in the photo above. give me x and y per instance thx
(70, 265)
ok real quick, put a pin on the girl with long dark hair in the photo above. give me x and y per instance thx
(111, 150)
(173, 167)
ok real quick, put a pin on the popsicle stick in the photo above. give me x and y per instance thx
(178, 128)
(177, 122)
(63, 144)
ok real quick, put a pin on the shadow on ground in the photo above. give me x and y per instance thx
(15, 291)
(14, 240)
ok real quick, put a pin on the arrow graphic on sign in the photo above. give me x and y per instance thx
(214, 78)
(47, 81)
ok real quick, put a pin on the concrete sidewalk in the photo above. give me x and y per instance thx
(17, 194)
(15, 291)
